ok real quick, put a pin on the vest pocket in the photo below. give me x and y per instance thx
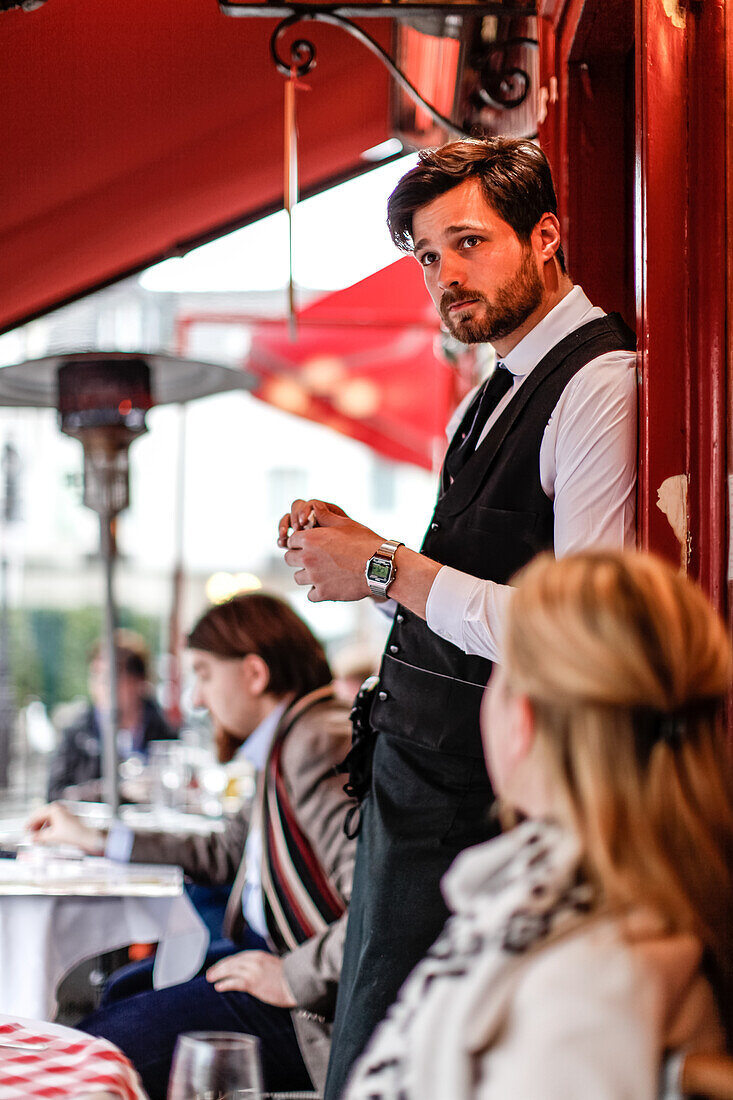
(500, 521)
(500, 542)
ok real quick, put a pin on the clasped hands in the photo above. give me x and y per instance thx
(328, 550)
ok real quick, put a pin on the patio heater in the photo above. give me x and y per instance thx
(102, 399)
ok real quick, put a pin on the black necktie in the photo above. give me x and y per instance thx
(466, 439)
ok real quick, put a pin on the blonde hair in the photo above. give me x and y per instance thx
(627, 667)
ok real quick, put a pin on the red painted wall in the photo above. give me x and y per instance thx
(636, 130)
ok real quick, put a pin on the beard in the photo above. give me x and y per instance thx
(512, 304)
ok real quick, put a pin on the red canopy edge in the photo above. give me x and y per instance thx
(132, 130)
(382, 380)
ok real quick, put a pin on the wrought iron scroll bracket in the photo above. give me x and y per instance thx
(497, 84)
(303, 58)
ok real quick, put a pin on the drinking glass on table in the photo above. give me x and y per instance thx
(170, 772)
(216, 1065)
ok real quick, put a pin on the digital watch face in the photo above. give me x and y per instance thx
(379, 570)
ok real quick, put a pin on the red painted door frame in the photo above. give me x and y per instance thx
(673, 264)
(681, 205)
(585, 67)
(662, 252)
(729, 311)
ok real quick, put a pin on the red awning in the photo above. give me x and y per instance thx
(366, 362)
(131, 128)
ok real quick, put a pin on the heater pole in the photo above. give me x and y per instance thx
(110, 715)
(10, 469)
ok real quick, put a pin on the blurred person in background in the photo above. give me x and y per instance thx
(352, 666)
(266, 682)
(594, 940)
(77, 761)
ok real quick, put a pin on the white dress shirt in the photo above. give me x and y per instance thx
(256, 749)
(587, 469)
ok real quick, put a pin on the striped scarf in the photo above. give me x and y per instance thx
(298, 898)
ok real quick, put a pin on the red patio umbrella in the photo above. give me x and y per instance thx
(368, 362)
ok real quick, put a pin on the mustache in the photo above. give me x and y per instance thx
(450, 297)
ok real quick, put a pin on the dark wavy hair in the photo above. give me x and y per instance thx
(131, 654)
(259, 623)
(514, 174)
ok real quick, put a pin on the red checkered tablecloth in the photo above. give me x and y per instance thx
(66, 1067)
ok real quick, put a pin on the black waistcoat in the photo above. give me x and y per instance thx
(490, 522)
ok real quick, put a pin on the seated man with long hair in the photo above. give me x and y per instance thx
(266, 682)
(595, 938)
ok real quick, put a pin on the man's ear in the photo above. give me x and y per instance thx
(546, 236)
(257, 673)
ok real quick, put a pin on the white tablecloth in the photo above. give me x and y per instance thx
(43, 938)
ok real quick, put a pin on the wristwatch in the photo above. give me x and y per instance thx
(380, 569)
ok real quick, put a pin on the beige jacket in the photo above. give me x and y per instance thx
(315, 745)
(520, 999)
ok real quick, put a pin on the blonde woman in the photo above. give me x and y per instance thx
(593, 939)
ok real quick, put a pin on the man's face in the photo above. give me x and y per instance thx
(223, 688)
(484, 281)
(131, 690)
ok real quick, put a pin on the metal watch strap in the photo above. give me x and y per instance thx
(389, 548)
(387, 551)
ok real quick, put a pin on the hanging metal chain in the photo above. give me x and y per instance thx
(290, 170)
(290, 187)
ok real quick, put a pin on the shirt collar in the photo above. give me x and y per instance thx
(569, 314)
(257, 746)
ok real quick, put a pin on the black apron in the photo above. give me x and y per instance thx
(430, 795)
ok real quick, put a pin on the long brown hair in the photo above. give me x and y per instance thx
(259, 623)
(627, 667)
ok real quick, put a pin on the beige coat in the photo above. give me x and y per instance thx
(520, 999)
(315, 745)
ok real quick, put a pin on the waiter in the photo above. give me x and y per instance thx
(541, 457)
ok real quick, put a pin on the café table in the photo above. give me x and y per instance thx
(43, 1060)
(143, 818)
(55, 912)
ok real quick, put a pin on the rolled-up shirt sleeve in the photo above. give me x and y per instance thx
(588, 470)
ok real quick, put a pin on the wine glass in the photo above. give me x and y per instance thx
(216, 1065)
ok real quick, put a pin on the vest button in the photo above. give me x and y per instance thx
(394, 649)
(399, 618)
(434, 526)
(383, 697)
